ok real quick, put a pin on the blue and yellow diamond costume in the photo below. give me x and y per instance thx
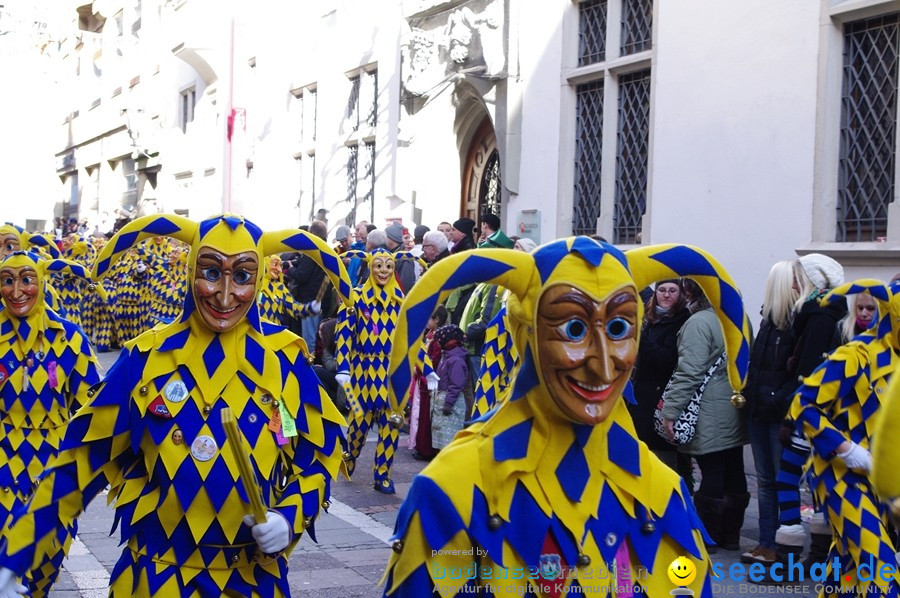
(363, 335)
(529, 489)
(276, 303)
(841, 400)
(152, 431)
(46, 368)
(499, 359)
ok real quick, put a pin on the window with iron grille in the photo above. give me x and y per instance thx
(631, 156)
(311, 105)
(588, 157)
(352, 178)
(372, 80)
(866, 168)
(370, 180)
(591, 31)
(353, 104)
(637, 26)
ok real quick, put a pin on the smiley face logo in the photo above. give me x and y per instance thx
(682, 571)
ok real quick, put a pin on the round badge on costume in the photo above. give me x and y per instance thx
(176, 392)
(204, 448)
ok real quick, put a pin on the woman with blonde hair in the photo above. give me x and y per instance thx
(862, 312)
(770, 385)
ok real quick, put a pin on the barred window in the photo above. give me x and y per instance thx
(631, 156)
(637, 26)
(370, 182)
(591, 32)
(866, 169)
(353, 104)
(588, 157)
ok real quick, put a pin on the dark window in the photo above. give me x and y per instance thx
(631, 156)
(352, 174)
(490, 185)
(370, 178)
(588, 160)
(868, 128)
(637, 26)
(372, 116)
(591, 32)
(353, 103)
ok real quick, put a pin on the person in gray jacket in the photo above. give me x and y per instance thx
(720, 432)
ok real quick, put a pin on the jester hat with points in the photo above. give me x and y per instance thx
(596, 268)
(887, 296)
(229, 234)
(29, 240)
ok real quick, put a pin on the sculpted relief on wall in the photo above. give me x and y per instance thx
(459, 38)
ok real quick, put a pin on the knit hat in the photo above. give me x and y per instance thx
(449, 336)
(822, 271)
(528, 245)
(342, 232)
(394, 232)
(464, 225)
(420, 231)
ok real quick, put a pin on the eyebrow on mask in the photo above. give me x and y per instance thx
(579, 299)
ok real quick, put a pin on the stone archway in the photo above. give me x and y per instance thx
(481, 176)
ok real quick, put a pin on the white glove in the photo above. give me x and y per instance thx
(856, 457)
(273, 536)
(141, 267)
(342, 379)
(9, 585)
(431, 381)
(315, 306)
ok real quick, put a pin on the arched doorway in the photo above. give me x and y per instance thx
(481, 188)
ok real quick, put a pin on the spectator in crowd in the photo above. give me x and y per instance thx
(362, 232)
(665, 313)
(326, 364)
(490, 224)
(449, 406)
(405, 269)
(770, 385)
(420, 401)
(815, 329)
(418, 239)
(408, 241)
(720, 433)
(342, 239)
(525, 244)
(461, 235)
(434, 246)
(377, 239)
(322, 216)
(862, 312)
(445, 227)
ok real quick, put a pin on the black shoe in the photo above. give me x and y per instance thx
(420, 457)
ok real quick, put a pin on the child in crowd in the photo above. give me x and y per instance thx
(448, 406)
(420, 400)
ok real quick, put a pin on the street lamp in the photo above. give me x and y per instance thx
(136, 122)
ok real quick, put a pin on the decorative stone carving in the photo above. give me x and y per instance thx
(465, 38)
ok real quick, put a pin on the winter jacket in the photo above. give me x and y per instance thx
(656, 360)
(719, 425)
(770, 380)
(454, 373)
(814, 328)
(465, 244)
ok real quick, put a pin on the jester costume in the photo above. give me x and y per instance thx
(126, 298)
(276, 303)
(168, 285)
(153, 431)
(364, 332)
(553, 494)
(72, 289)
(498, 360)
(46, 368)
(841, 401)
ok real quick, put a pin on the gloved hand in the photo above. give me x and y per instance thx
(315, 306)
(447, 410)
(785, 433)
(141, 267)
(9, 585)
(431, 381)
(342, 379)
(274, 535)
(856, 457)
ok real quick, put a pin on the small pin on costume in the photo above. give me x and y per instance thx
(152, 430)
(839, 408)
(556, 478)
(50, 368)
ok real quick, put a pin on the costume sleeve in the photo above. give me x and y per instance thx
(842, 373)
(84, 374)
(695, 355)
(316, 453)
(98, 446)
(292, 307)
(344, 333)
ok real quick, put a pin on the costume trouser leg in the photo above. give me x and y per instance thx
(787, 483)
(356, 433)
(388, 437)
(860, 528)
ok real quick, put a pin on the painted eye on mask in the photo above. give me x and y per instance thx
(10, 247)
(574, 330)
(8, 281)
(242, 277)
(211, 274)
(27, 280)
(618, 328)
